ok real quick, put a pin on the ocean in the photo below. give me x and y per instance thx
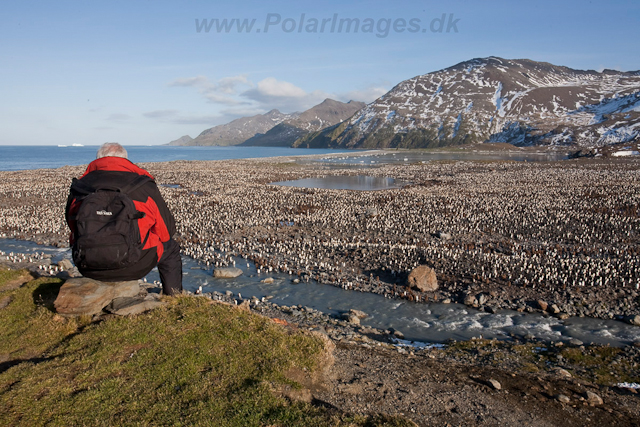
(21, 157)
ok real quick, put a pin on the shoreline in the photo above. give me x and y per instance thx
(370, 241)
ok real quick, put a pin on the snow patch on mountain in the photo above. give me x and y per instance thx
(494, 99)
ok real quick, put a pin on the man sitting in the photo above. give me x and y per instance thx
(113, 175)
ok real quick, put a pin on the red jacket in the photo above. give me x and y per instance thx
(158, 220)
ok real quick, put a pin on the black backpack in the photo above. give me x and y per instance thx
(107, 235)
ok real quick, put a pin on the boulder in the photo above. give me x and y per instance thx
(227, 272)
(482, 298)
(633, 320)
(423, 278)
(16, 283)
(5, 301)
(129, 306)
(470, 300)
(84, 296)
(65, 264)
(352, 319)
(359, 314)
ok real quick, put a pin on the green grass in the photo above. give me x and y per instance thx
(191, 362)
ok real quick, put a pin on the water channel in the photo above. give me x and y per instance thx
(419, 322)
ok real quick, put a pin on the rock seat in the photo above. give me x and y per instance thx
(84, 296)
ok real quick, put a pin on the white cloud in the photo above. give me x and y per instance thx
(221, 92)
(217, 98)
(174, 116)
(198, 81)
(271, 93)
(270, 87)
(228, 84)
(241, 97)
(160, 114)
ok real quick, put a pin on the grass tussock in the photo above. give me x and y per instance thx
(190, 362)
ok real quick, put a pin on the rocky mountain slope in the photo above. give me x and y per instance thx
(183, 140)
(522, 102)
(274, 128)
(325, 114)
(239, 130)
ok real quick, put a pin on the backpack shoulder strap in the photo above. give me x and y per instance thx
(84, 189)
(81, 187)
(135, 184)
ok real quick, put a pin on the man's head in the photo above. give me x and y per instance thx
(111, 149)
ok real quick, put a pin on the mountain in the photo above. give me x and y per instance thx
(325, 114)
(239, 130)
(183, 140)
(522, 102)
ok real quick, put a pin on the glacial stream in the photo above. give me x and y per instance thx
(431, 323)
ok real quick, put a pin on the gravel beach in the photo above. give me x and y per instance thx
(560, 237)
(554, 237)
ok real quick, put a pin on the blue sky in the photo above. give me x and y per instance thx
(139, 72)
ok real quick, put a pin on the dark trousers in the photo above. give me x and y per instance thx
(170, 268)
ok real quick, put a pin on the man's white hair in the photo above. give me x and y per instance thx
(111, 149)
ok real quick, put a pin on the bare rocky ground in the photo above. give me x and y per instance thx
(439, 391)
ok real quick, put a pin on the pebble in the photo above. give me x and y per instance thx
(494, 384)
(358, 313)
(633, 320)
(562, 372)
(562, 398)
(227, 272)
(592, 398)
(542, 305)
(470, 300)
(352, 319)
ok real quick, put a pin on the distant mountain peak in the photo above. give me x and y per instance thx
(255, 130)
(183, 140)
(327, 113)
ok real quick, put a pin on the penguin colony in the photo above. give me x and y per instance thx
(566, 232)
